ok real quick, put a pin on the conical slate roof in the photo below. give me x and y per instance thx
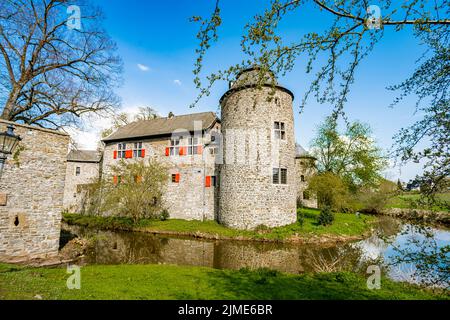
(301, 152)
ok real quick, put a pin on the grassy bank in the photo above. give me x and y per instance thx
(345, 226)
(406, 201)
(174, 282)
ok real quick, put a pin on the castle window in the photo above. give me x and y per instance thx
(122, 148)
(279, 176)
(280, 130)
(175, 146)
(77, 171)
(277, 101)
(302, 178)
(176, 178)
(194, 146)
(306, 195)
(137, 150)
(283, 176)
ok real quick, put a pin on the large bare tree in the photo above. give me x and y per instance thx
(56, 62)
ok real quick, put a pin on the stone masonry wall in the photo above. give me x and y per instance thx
(33, 181)
(248, 198)
(188, 199)
(74, 197)
(306, 168)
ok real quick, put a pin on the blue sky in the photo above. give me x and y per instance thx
(158, 36)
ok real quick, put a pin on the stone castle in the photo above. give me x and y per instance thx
(243, 170)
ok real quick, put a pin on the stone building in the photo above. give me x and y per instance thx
(83, 167)
(241, 170)
(305, 169)
(31, 189)
(257, 178)
(185, 144)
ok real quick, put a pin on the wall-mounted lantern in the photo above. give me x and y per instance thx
(8, 142)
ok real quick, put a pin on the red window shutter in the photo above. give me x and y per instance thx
(128, 154)
(177, 178)
(143, 153)
(115, 155)
(167, 152)
(208, 182)
(199, 149)
(115, 179)
(182, 151)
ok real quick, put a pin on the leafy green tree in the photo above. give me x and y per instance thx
(351, 155)
(331, 191)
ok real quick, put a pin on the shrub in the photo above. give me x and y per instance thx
(164, 215)
(132, 190)
(331, 191)
(301, 217)
(326, 217)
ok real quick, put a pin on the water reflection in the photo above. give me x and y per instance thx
(141, 248)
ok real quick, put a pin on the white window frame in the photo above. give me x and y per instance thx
(279, 129)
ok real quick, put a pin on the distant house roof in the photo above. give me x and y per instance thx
(163, 126)
(90, 156)
(301, 152)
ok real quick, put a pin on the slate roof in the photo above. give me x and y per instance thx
(301, 152)
(162, 126)
(91, 156)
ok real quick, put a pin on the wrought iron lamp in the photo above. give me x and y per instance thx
(8, 142)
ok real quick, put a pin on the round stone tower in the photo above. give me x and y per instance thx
(258, 176)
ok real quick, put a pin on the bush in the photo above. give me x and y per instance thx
(331, 191)
(326, 217)
(164, 215)
(301, 218)
(132, 190)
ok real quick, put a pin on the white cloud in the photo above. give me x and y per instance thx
(143, 67)
(177, 82)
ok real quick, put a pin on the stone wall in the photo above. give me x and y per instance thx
(74, 195)
(188, 199)
(248, 197)
(33, 181)
(306, 169)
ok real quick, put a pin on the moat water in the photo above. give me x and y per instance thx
(393, 239)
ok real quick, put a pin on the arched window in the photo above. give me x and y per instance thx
(302, 178)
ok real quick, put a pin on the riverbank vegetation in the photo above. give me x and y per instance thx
(345, 227)
(168, 282)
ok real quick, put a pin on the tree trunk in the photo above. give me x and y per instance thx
(10, 105)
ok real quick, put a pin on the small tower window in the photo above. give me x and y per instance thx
(306, 195)
(277, 101)
(279, 176)
(302, 178)
(280, 130)
(77, 171)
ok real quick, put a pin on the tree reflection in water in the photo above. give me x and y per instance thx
(405, 252)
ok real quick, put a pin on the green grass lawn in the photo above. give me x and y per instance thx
(404, 201)
(344, 225)
(167, 282)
